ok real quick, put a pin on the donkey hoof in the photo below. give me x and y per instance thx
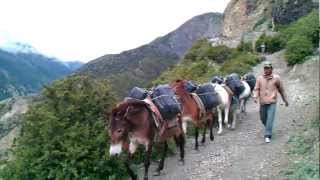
(228, 126)
(157, 173)
(135, 177)
(181, 162)
(220, 131)
(212, 138)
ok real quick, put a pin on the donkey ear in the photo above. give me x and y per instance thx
(114, 111)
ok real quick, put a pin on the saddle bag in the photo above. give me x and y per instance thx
(234, 83)
(251, 80)
(138, 93)
(208, 96)
(217, 79)
(165, 100)
(190, 86)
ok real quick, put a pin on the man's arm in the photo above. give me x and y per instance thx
(282, 91)
(256, 90)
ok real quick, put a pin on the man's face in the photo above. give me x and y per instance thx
(267, 71)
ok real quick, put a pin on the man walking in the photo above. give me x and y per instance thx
(265, 91)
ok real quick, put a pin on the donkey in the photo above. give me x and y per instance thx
(133, 122)
(248, 80)
(225, 95)
(229, 102)
(244, 96)
(191, 112)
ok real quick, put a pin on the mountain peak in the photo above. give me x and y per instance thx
(18, 47)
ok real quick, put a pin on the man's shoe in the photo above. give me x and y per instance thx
(267, 140)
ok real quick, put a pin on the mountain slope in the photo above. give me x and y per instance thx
(139, 66)
(24, 73)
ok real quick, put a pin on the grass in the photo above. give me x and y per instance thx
(304, 153)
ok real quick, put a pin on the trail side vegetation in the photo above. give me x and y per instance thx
(300, 39)
(304, 152)
(203, 61)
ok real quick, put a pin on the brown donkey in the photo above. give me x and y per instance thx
(133, 123)
(192, 112)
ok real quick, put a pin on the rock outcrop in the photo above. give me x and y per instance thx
(287, 11)
(242, 16)
(247, 19)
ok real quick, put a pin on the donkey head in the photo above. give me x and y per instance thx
(118, 129)
(125, 119)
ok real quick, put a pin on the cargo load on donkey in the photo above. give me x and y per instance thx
(208, 96)
(234, 83)
(138, 93)
(190, 86)
(165, 100)
(250, 79)
(217, 79)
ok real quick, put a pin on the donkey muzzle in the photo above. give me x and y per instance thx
(115, 149)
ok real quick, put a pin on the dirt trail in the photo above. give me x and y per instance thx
(242, 153)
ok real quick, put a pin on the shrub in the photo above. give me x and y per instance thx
(198, 50)
(64, 137)
(307, 26)
(220, 53)
(272, 43)
(240, 64)
(298, 48)
(203, 60)
(203, 50)
(245, 46)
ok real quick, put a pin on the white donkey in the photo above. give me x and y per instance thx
(226, 105)
(244, 96)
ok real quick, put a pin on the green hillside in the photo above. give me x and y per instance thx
(203, 61)
(24, 73)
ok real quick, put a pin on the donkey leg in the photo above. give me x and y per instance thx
(242, 105)
(180, 141)
(234, 115)
(226, 116)
(129, 170)
(196, 135)
(220, 120)
(184, 126)
(210, 122)
(164, 154)
(147, 160)
(245, 106)
(204, 133)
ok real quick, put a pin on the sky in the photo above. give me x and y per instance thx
(87, 29)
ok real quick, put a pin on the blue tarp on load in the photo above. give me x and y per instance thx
(251, 80)
(217, 79)
(165, 100)
(138, 93)
(190, 86)
(234, 83)
(208, 96)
